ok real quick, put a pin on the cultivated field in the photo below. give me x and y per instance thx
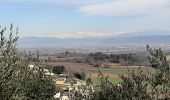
(113, 71)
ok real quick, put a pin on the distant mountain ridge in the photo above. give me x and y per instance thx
(138, 38)
(109, 41)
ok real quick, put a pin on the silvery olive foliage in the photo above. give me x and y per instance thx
(17, 80)
(149, 84)
(159, 80)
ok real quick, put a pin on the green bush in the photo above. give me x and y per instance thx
(58, 69)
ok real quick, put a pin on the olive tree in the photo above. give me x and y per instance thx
(151, 84)
(159, 79)
(17, 80)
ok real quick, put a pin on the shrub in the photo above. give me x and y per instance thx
(58, 69)
(80, 76)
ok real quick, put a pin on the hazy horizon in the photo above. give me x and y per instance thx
(79, 19)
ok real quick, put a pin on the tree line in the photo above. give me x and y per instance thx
(124, 59)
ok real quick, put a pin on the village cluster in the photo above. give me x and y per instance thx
(68, 85)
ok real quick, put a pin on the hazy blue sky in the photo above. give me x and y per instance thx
(85, 18)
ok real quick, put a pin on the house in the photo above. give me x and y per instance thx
(57, 95)
(61, 79)
(64, 97)
(31, 66)
(48, 73)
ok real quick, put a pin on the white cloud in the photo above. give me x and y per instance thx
(80, 35)
(126, 7)
(110, 7)
(157, 14)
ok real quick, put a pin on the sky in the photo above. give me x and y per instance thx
(85, 18)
